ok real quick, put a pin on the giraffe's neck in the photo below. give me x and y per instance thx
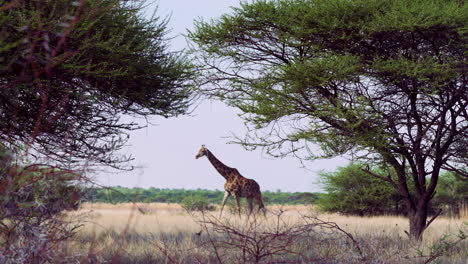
(219, 166)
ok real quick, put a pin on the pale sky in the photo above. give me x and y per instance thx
(165, 152)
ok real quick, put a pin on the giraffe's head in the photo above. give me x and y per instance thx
(201, 152)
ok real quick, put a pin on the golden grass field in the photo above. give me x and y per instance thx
(165, 233)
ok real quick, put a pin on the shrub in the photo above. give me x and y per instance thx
(194, 203)
(32, 198)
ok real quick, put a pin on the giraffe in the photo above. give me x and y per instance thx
(236, 184)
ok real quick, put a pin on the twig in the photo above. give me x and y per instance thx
(433, 218)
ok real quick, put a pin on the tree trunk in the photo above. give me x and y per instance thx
(418, 219)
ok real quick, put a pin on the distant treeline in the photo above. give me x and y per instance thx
(348, 190)
(120, 194)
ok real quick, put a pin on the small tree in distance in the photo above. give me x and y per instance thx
(452, 194)
(382, 80)
(196, 203)
(351, 191)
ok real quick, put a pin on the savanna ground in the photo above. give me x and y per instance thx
(166, 233)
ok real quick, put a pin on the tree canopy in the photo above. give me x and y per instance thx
(378, 80)
(69, 71)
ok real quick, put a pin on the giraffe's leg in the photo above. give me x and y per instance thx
(260, 205)
(250, 203)
(226, 195)
(238, 204)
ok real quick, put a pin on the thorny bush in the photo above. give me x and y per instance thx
(32, 197)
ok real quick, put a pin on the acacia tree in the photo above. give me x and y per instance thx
(383, 80)
(69, 70)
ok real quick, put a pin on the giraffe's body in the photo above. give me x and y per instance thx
(236, 185)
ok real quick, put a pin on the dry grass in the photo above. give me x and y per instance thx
(153, 233)
(139, 218)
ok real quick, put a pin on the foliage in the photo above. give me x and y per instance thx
(351, 191)
(451, 194)
(280, 197)
(32, 198)
(348, 191)
(194, 203)
(118, 194)
(69, 70)
(446, 245)
(384, 81)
